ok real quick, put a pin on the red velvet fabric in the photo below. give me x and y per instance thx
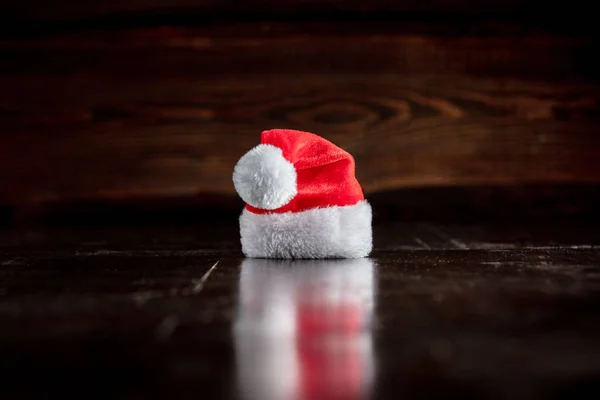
(325, 173)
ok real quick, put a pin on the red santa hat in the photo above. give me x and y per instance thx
(302, 199)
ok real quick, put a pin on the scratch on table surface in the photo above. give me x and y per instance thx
(454, 241)
(13, 261)
(142, 297)
(504, 263)
(198, 285)
(422, 243)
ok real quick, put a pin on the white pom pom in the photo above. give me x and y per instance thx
(264, 178)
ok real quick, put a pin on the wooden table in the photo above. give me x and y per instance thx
(502, 311)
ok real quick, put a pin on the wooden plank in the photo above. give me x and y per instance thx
(546, 205)
(31, 18)
(91, 139)
(167, 112)
(63, 9)
(278, 48)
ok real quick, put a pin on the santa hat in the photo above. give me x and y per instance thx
(302, 199)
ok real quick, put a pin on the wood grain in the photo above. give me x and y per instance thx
(184, 137)
(168, 112)
(278, 48)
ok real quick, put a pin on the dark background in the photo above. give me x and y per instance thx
(139, 109)
(475, 126)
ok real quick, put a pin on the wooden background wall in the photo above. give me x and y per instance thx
(158, 99)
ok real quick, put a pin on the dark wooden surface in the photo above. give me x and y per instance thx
(153, 100)
(129, 100)
(29, 13)
(117, 118)
(503, 311)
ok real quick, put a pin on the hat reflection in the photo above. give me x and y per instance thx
(303, 330)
